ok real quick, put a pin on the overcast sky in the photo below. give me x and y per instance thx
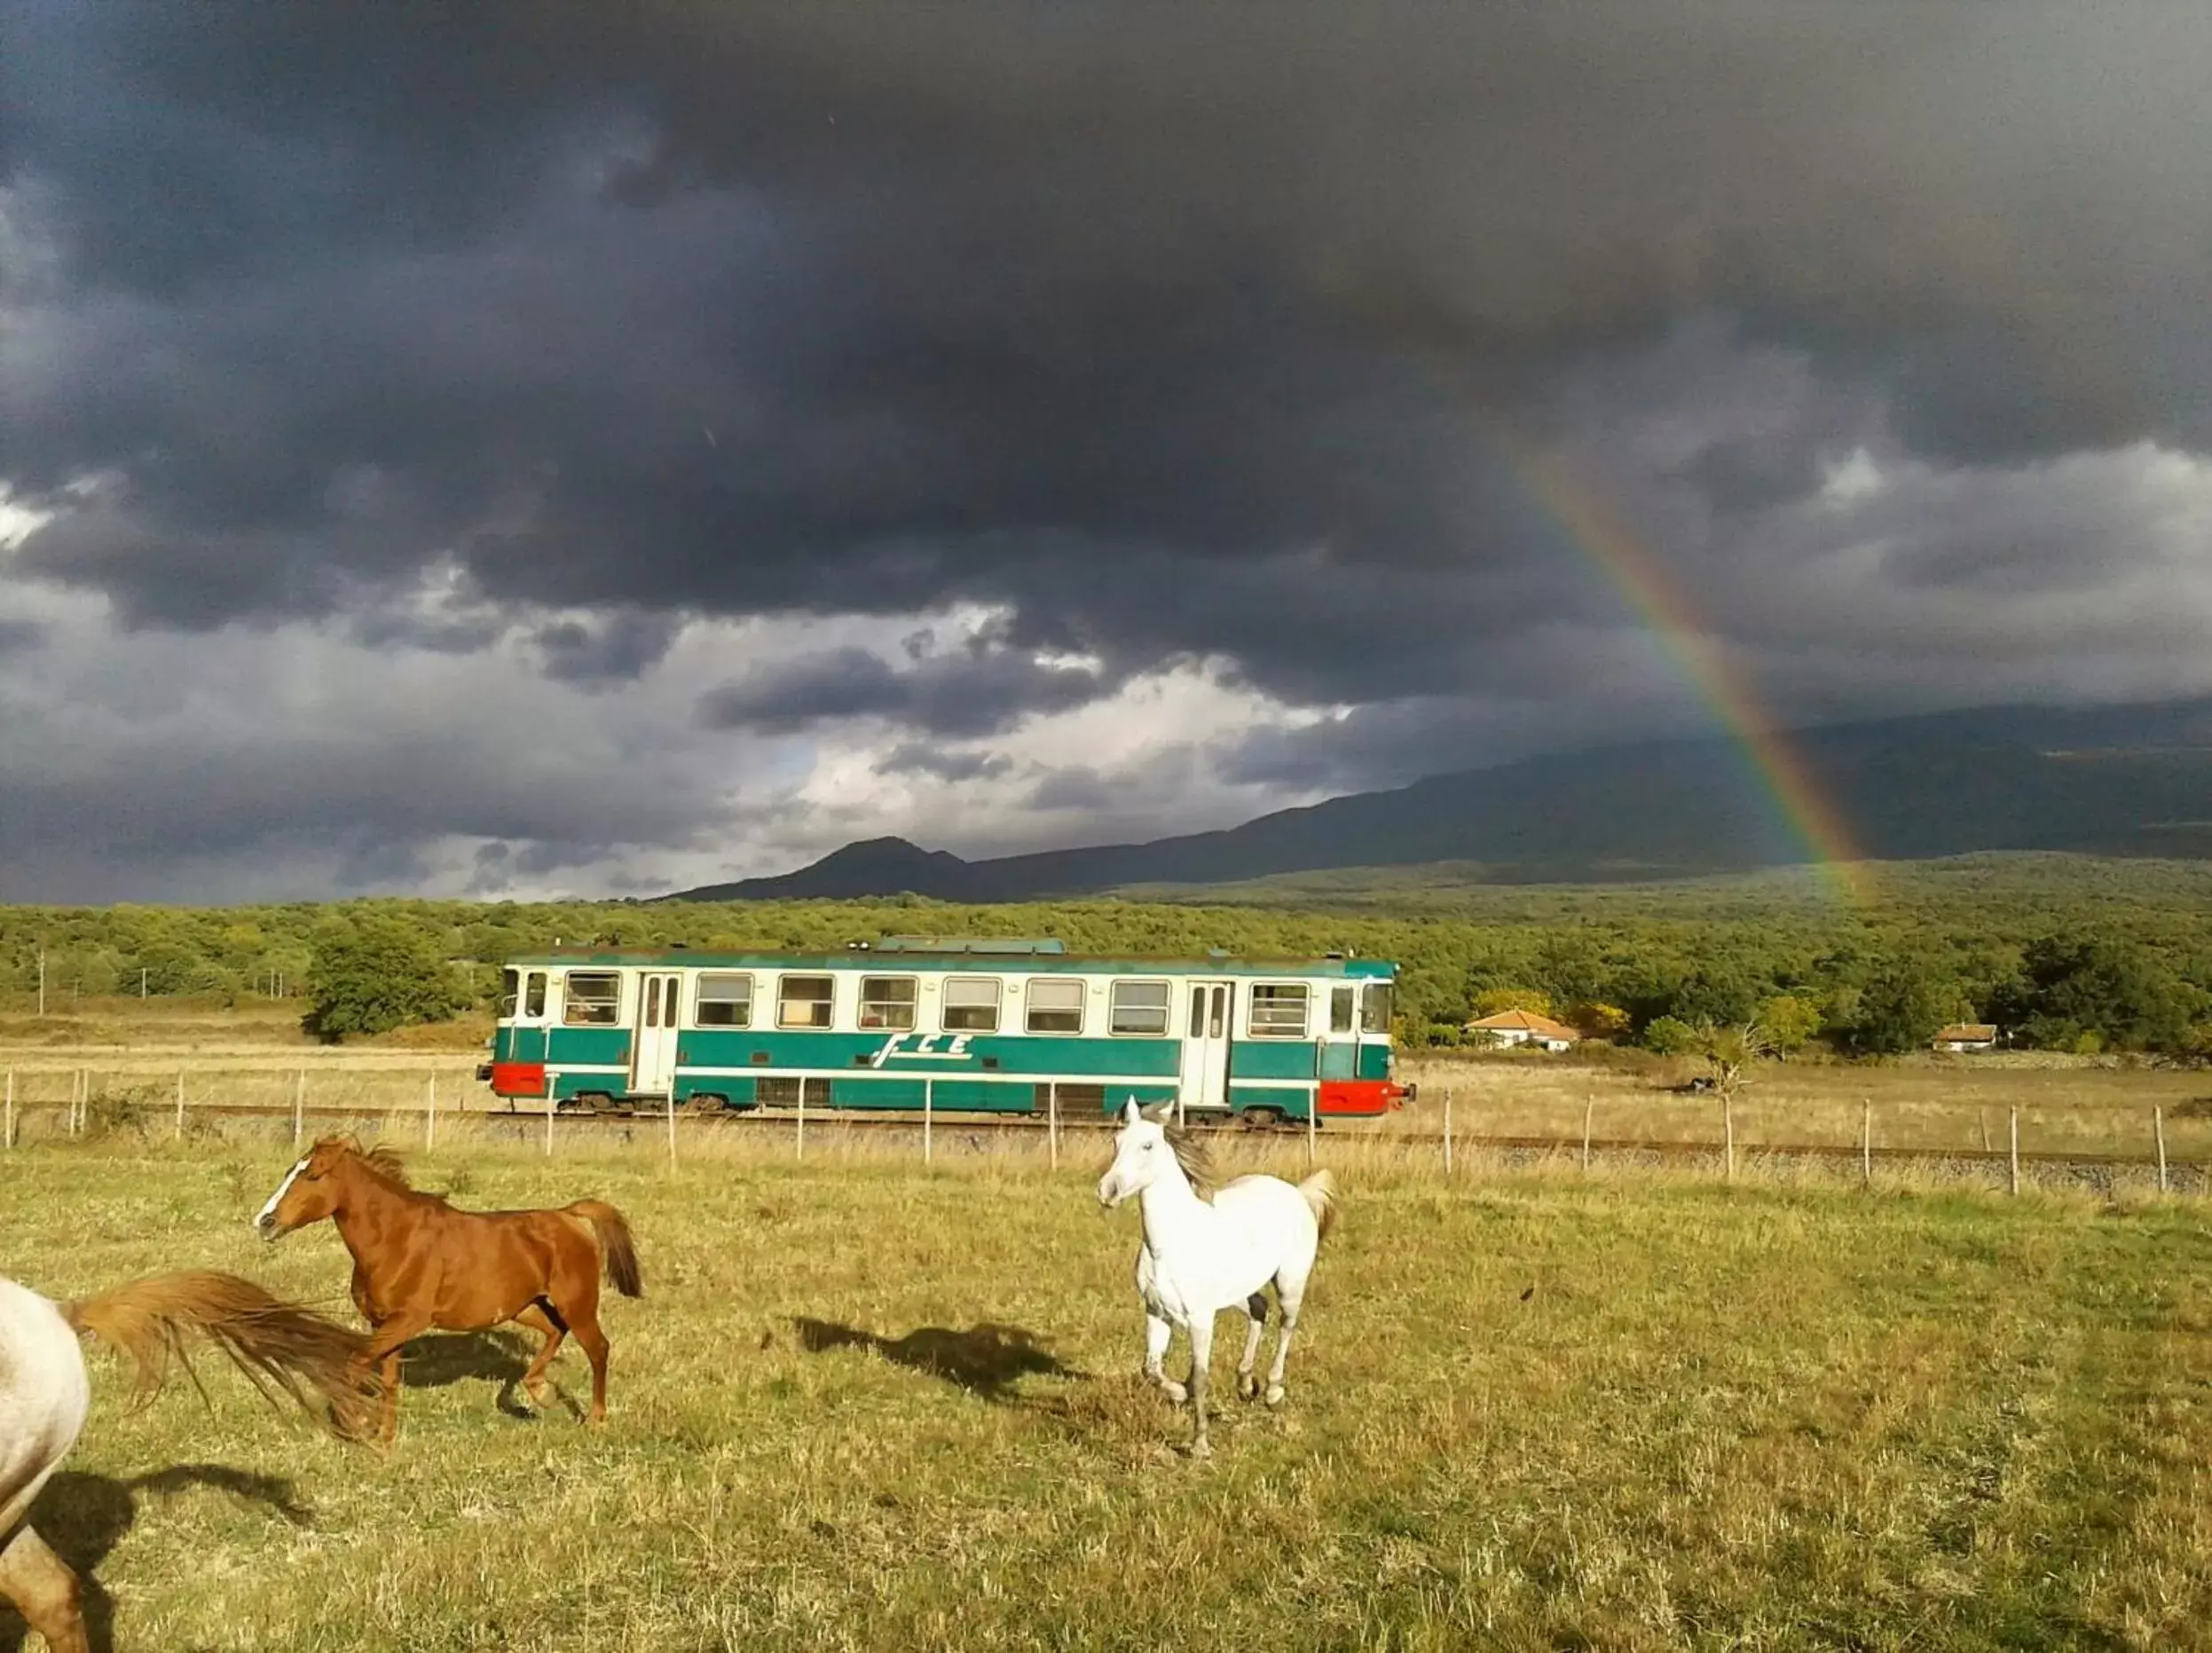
(592, 449)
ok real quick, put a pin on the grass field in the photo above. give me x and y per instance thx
(1932, 1104)
(862, 1405)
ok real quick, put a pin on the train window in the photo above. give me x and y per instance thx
(1138, 1007)
(725, 1001)
(1278, 1010)
(887, 1003)
(530, 1003)
(1342, 1002)
(971, 1004)
(805, 1000)
(1376, 1018)
(1056, 1007)
(592, 1001)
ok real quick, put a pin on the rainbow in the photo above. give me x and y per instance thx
(1432, 339)
(1801, 804)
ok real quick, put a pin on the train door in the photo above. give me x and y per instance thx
(654, 1066)
(1340, 1043)
(523, 1009)
(1206, 1047)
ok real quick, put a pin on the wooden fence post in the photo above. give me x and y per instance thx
(1447, 1131)
(430, 1114)
(1052, 1121)
(180, 1104)
(1314, 1123)
(1866, 1142)
(929, 1107)
(2016, 1149)
(798, 1138)
(671, 1124)
(1728, 1134)
(2158, 1125)
(1589, 1104)
(550, 1106)
(299, 1107)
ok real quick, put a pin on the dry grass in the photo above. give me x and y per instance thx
(864, 1406)
(1933, 1105)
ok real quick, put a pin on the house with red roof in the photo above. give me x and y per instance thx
(1521, 1026)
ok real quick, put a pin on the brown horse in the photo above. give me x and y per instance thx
(419, 1264)
(45, 1396)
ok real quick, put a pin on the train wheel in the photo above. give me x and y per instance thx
(1260, 1118)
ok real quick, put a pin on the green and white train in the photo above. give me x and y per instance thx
(971, 1027)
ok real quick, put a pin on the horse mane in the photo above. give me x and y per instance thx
(381, 1161)
(1192, 1155)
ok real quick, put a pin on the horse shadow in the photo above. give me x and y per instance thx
(84, 1516)
(441, 1358)
(985, 1360)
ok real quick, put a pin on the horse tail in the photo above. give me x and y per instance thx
(1319, 1192)
(278, 1345)
(614, 1242)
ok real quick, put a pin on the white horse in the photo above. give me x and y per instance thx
(1201, 1256)
(45, 1396)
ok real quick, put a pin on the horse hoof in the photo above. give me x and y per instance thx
(1202, 1448)
(1247, 1386)
(1274, 1394)
(1175, 1391)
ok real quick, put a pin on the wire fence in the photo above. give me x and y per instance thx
(1448, 1135)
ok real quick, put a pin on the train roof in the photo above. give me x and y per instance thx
(972, 958)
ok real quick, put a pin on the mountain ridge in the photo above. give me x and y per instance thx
(2124, 780)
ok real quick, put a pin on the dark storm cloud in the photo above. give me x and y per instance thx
(845, 683)
(1078, 786)
(609, 648)
(1126, 794)
(1174, 333)
(914, 758)
(960, 695)
(191, 797)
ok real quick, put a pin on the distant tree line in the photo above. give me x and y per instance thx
(2081, 994)
(2104, 960)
